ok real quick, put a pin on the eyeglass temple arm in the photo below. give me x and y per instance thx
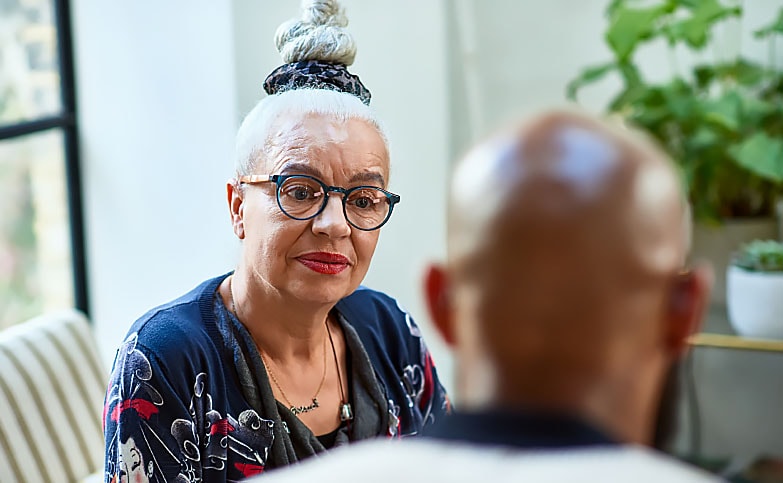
(255, 178)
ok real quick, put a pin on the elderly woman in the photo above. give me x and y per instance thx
(287, 356)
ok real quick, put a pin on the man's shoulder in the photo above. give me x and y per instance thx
(436, 460)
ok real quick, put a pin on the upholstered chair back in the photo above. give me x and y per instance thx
(52, 387)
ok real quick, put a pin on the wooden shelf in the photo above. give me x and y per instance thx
(726, 341)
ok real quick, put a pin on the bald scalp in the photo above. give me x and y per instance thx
(549, 174)
(563, 238)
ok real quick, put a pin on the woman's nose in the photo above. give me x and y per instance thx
(331, 221)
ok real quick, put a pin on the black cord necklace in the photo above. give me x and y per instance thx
(346, 411)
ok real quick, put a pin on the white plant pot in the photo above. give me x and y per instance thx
(717, 244)
(755, 302)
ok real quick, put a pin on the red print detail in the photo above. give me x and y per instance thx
(141, 406)
(221, 427)
(248, 469)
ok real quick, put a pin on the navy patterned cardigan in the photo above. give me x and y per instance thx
(175, 409)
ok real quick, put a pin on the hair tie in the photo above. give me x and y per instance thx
(315, 74)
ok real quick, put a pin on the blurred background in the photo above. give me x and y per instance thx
(117, 122)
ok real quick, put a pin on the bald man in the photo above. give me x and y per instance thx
(566, 303)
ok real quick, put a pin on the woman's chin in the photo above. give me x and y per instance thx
(322, 293)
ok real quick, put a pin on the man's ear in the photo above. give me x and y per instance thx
(236, 207)
(436, 286)
(688, 302)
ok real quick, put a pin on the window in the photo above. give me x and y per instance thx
(41, 240)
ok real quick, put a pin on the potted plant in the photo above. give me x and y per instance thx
(720, 121)
(754, 283)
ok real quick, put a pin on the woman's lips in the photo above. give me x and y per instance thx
(324, 262)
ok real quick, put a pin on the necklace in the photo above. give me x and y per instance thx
(294, 409)
(346, 412)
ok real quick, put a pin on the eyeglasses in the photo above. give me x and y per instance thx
(303, 197)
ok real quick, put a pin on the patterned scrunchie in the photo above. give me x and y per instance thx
(315, 74)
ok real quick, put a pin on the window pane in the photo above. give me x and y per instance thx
(29, 72)
(35, 247)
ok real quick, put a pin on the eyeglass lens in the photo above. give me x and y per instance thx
(301, 197)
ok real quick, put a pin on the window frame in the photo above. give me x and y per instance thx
(66, 122)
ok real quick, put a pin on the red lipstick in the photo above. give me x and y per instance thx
(324, 262)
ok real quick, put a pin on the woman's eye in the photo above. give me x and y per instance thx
(362, 202)
(364, 199)
(301, 193)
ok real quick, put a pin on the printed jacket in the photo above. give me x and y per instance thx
(174, 410)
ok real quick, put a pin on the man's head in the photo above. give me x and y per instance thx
(564, 289)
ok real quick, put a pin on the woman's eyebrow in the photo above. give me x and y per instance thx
(305, 168)
(368, 176)
(300, 168)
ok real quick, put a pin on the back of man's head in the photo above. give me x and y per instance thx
(564, 289)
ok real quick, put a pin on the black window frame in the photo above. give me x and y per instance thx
(66, 122)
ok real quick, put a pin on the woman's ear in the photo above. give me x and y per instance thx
(436, 286)
(688, 302)
(236, 207)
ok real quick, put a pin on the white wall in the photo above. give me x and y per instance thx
(156, 109)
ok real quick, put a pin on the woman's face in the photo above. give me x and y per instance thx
(323, 259)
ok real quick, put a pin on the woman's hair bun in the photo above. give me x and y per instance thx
(319, 35)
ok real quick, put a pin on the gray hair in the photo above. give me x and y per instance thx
(318, 35)
(258, 126)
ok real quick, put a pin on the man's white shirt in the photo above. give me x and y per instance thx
(424, 460)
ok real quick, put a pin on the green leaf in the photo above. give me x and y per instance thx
(613, 6)
(679, 99)
(650, 117)
(703, 75)
(629, 26)
(689, 3)
(747, 73)
(588, 76)
(628, 97)
(754, 110)
(630, 73)
(704, 138)
(760, 255)
(635, 89)
(775, 27)
(742, 71)
(695, 30)
(762, 155)
(724, 111)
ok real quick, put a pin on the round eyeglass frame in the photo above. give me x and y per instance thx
(279, 179)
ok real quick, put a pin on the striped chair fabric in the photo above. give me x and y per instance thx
(51, 399)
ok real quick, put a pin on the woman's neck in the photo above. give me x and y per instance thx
(284, 330)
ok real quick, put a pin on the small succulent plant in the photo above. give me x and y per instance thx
(760, 256)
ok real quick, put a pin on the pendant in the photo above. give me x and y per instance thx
(304, 409)
(346, 413)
